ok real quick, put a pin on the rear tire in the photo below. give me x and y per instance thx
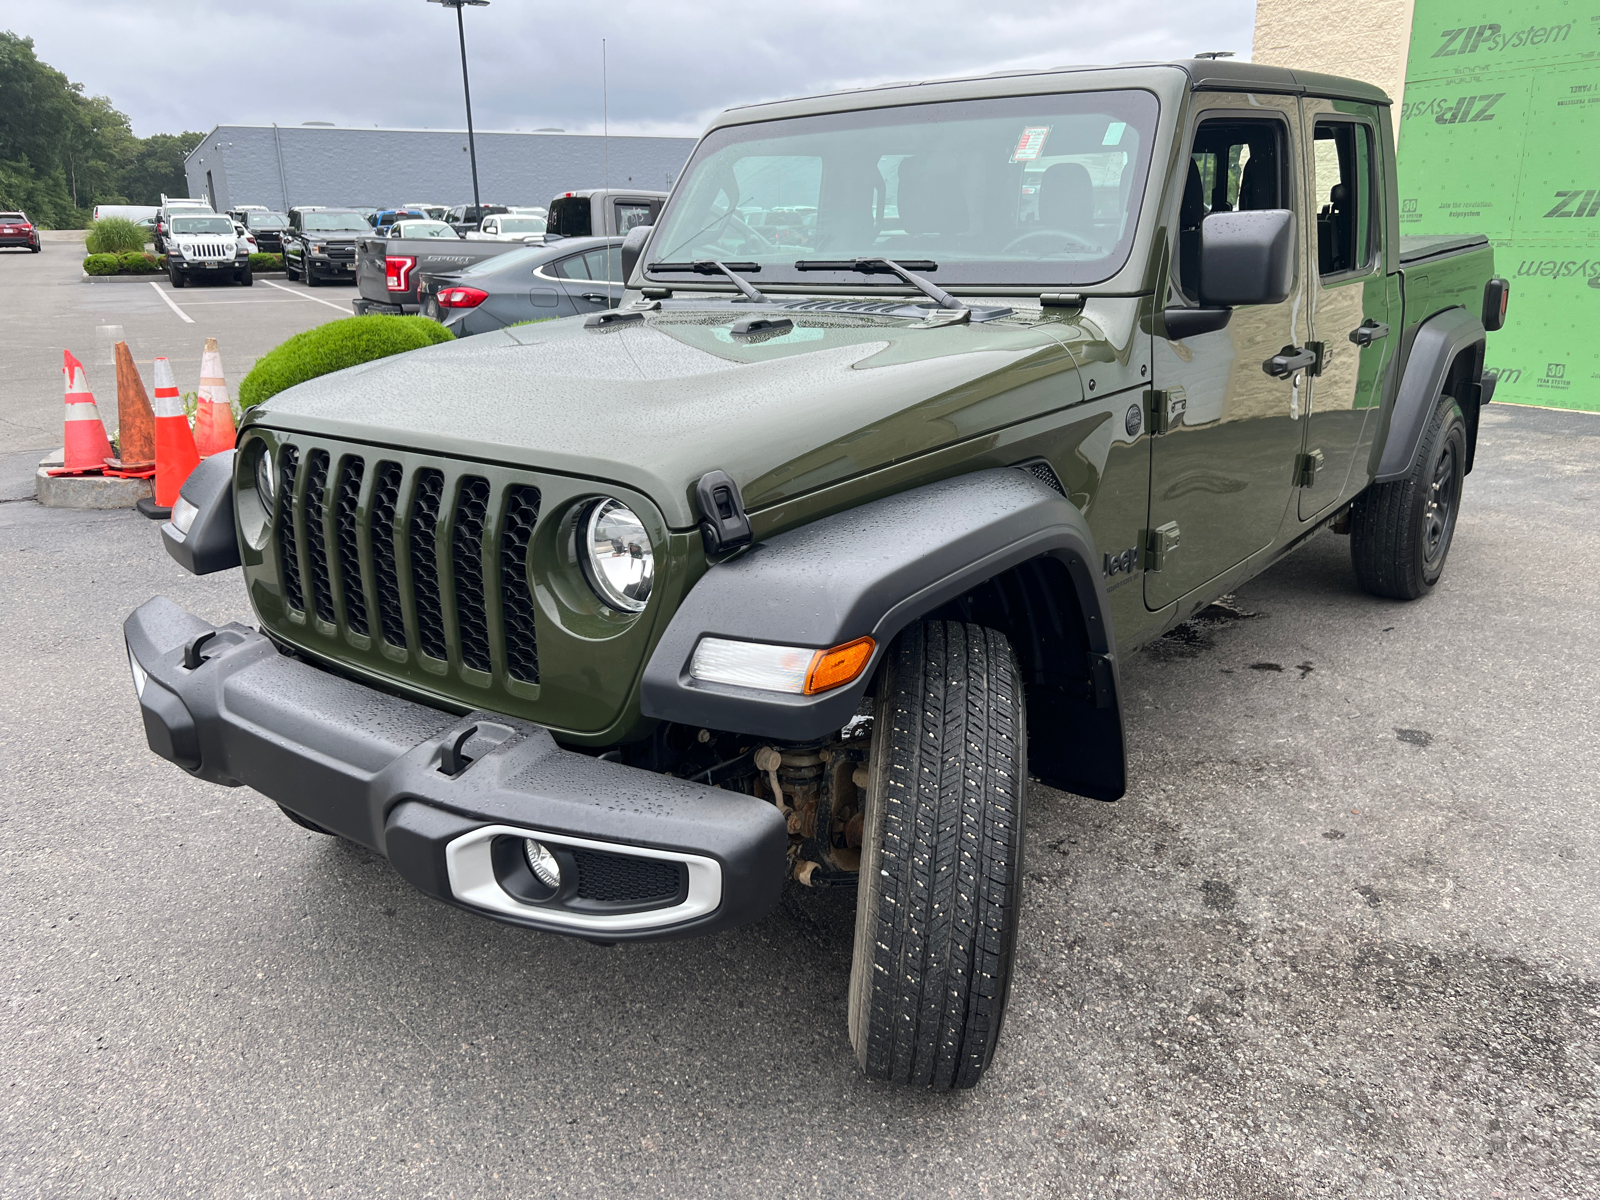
(1400, 532)
(941, 870)
(305, 824)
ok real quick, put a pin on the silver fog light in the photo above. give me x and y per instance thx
(542, 863)
(621, 564)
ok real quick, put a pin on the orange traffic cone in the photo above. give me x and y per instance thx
(86, 444)
(213, 418)
(136, 434)
(175, 452)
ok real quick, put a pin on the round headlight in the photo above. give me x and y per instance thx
(621, 564)
(266, 479)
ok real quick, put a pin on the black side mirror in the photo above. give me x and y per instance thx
(632, 248)
(1247, 257)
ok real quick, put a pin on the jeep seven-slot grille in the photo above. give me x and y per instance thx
(355, 603)
(440, 546)
(288, 544)
(316, 535)
(385, 505)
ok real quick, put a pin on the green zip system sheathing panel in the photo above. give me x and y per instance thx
(1500, 135)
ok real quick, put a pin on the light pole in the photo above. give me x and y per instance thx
(466, 88)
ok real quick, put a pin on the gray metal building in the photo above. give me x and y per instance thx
(279, 166)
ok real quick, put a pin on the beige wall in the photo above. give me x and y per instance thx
(1361, 39)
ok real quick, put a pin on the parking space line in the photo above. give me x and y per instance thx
(313, 299)
(170, 303)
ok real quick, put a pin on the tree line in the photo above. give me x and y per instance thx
(62, 152)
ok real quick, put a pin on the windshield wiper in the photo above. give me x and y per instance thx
(884, 266)
(712, 266)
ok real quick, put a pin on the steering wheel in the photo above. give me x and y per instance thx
(1083, 244)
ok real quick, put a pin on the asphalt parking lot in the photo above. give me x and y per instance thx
(48, 307)
(1339, 939)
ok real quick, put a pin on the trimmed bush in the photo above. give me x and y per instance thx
(139, 264)
(102, 264)
(333, 347)
(266, 262)
(114, 235)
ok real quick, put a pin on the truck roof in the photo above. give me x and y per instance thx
(1204, 74)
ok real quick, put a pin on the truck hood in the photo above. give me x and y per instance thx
(654, 404)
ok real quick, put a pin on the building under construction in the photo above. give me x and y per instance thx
(330, 165)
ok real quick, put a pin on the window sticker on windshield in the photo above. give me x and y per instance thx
(1114, 133)
(1031, 144)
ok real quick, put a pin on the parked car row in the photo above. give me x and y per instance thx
(519, 265)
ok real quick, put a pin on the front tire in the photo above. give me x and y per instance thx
(247, 277)
(310, 275)
(289, 272)
(175, 277)
(1400, 532)
(941, 870)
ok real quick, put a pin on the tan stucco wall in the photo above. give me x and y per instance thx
(1361, 39)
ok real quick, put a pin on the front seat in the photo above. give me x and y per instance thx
(931, 198)
(1066, 200)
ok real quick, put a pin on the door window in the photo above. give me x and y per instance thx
(631, 213)
(601, 265)
(1344, 197)
(1234, 166)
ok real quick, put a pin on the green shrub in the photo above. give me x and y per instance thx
(266, 262)
(114, 235)
(139, 264)
(333, 347)
(102, 264)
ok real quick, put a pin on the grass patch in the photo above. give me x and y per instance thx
(115, 235)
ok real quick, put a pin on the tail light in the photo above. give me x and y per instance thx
(25, 228)
(461, 297)
(397, 272)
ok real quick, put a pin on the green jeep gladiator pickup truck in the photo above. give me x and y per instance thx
(926, 404)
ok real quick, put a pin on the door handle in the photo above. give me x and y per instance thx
(1289, 360)
(596, 298)
(1369, 331)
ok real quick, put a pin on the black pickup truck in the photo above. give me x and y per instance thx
(926, 406)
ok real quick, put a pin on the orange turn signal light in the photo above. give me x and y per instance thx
(837, 667)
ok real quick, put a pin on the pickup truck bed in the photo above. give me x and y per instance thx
(431, 256)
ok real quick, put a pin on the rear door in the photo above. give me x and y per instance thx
(1221, 472)
(1350, 297)
(593, 279)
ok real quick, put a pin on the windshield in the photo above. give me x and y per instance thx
(335, 222)
(1021, 190)
(266, 220)
(521, 224)
(422, 229)
(218, 225)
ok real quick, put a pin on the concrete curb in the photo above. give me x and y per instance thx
(155, 276)
(87, 491)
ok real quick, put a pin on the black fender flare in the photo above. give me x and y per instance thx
(1439, 341)
(871, 571)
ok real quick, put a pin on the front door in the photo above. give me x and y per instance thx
(1350, 299)
(1222, 471)
(593, 279)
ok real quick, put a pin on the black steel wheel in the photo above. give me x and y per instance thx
(1401, 532)
(941, 870)
(305, 824)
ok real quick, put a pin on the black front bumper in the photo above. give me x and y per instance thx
(372, 768)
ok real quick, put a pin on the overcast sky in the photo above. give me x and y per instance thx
(537, 64)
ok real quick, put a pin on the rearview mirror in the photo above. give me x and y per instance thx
(632, 248)
(1247, 257)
